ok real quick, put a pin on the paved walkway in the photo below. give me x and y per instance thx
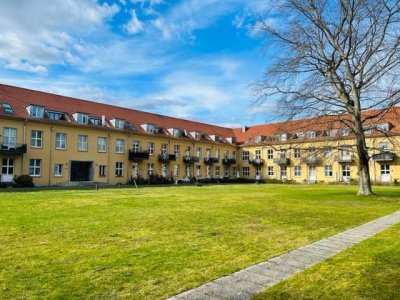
(249, 281)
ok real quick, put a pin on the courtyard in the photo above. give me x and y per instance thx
(155, 242)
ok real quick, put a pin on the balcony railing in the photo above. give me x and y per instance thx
(190, 159)
(138, 155)
(311, 160)
(229, 161)
(166, 157)
(345, 158)
(256, 161)
(282, 161)
(16, 149)
(383, 156)
(211, 160)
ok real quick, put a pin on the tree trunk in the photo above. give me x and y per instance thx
(363, 160)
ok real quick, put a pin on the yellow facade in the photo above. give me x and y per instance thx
(264, 161)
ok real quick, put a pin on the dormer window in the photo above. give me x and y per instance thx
(311, 134)
(283, 137)
(130, 126)
(150, 128)
(215, 138)
(384, 127)
(259, 139)
(36, 111)
(7, 109)
(196, 135)
(333, 132)
(345, 132)
(118, 123)
(231, 140)
(81, 118)
(95, 121)
(176, 132)
(55, 115)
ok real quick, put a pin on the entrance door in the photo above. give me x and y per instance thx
(81, 170)
(346, 172)
(283, 173)
(385, 173)
(258, 172)
(312, 173)
(7, 170)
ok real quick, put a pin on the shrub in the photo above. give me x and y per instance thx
(3, 185)
(23, 181)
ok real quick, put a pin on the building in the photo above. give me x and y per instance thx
(61, 140)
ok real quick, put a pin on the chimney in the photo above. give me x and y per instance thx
(103, 120)
(244, 129)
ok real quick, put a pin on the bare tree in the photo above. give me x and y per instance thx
(338, 57)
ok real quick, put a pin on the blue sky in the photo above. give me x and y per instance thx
(193, 59)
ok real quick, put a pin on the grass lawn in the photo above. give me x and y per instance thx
(370, 270)
(114, 243)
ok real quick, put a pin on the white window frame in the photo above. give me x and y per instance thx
(120, 146)
(136, 146)
(101, 144)
(198, 170)
(328, 170)
(177, 150)
(8, 138)
(35, 167)
(176, 170)
(58, 170)
(245, 171)
(150, 148)
(297, 153)
(102, 170)
(245, 155)
(270, 170)
(270, 153)
(61, 141)
(36, 139)
(150, 169)
(119, 169)
(297, 171)
(82, 144)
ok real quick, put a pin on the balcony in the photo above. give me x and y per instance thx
(190, 159)
(166, 157)
(211, 160)
(311, 160)
(256, 162)
(16, 149)
(228, 161)
(138, 155)
(283, 161)
(343, 159)
(383, 156)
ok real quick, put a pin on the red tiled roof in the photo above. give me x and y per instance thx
(20, 98)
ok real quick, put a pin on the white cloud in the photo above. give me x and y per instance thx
(134, 25)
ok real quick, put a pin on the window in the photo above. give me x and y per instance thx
(346, 170)
(54, 115)
(136, 146)
(312, 134)
(245, 171)
(7, 167)
(119, 169)
(36, 139)
(217, 171)
(58, 170)
(245, 155)
(150, 128)
(297, 153)
(327, 152)
(208, 152)
(35, 167)
(259, 139)
(345, 132)
(383, 146)
(208, 171)
(234, 154)
(328, 171)
(188, 151)
(82, 142)
(270, 154)
(383, 127)
(36, 111)
(9, 136)
(197, 135)
(226, 171)
(150, 169)
(150, 148)
(258, 154)
(217, 153)
(226, 154)
(297, 171)
(270, 171)
(7, 109)
(135, 170)
(385, 169)
(95, 121)
(120, 146)
(119, 124)
(283, 137)
(102, 170)
(282, 153)
(164, 149)
(101, 144)
(164, 170)
(177, 150)
(199, 152)
(198, 170)
(61, 141)
(283, 172)
(81, 118)
(258, 172)
(235, 172)
(176, 170)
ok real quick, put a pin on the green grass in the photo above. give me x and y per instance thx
(370, 270)
(114, 243)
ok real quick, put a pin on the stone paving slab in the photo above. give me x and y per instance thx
(245, 283)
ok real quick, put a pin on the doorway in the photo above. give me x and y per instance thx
(81, 170)
(312, 174)
(385, 173)
(7, 170)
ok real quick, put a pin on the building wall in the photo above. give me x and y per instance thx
(49, 155)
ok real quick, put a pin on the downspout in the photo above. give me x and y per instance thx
(24, 142)
(50, 153)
